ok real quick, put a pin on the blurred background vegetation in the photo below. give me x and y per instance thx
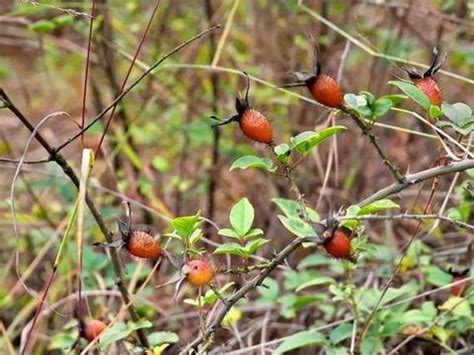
(162, 155)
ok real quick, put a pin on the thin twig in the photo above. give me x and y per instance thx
(256, 281)
(86, 72)
(124, 82)
(416, 178)
(404, 216)
(134, 84)
(373, 140)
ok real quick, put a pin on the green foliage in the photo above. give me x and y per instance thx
(292, 209)
(251, 161)
(340, 333)
(209, 298)
(301, 340)
(160, 338)
(304, 142)
(120, 331)
(459, 116)
(242, 216)
(297, 226)
(372, 208)
(187, 229)
(413, 93)
(366, 105)
(436, 276)
(241, 219)
(317, 281)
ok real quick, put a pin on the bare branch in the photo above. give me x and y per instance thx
(413, 179)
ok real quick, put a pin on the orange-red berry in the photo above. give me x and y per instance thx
(143, 245)
(198, 272)
(252, 123)
(430, 88)
(325, 90)
(460, 288)
(93, 328)
(425, 81)
(256, 126)
(338, 244)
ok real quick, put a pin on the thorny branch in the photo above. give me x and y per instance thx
(409, 180)
(134, 84)
(373, 140)
(256, 281)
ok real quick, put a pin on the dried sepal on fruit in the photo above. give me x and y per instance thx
(139, 243)
(337, 242)
(322, 87)
(253, 123)
(426, 82)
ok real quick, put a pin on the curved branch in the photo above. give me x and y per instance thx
(416, 178)
(256, 281)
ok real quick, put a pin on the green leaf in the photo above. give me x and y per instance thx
(269, 293)
(459, 113)
(251, 161)
(421, 316)
(252, 246)
(185, 226)
(353, 100)
(413, 93)
(230, 248)
(282, 149)
(369, 97)
(458, 306)
(160, 164)
(42, 26)
(300, 340)
(241, 217)
(159, 338)
(61, 341)
(119, 331)
(297, 226)
(320, 280)
(441, 333)
(63, 20)
(377, 206)
(210, 297)
(360, 103)
(465, 130)
(435, 276)
(195, 236)
(227, 232)
(370, 346)
(341, 332)
(396, 98)
(435, 111)
(336, 350)
(292, 209)
(382, 106)
(255, 232)
(351, 211)
(306, 141)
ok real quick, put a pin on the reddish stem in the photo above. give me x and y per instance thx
(38, 311)
(124, 82)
